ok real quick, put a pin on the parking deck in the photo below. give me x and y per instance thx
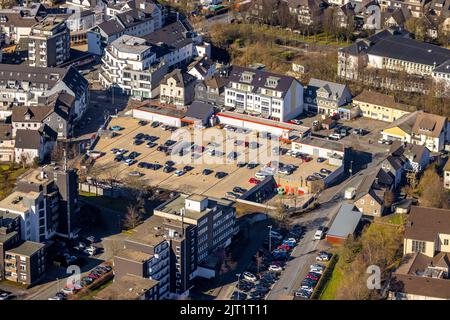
(194, 181)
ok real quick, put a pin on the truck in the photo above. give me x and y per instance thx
(350, 193)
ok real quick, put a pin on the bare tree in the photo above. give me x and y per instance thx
(133, 217)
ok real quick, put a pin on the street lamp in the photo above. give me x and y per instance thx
(351, 168)
(270, 238)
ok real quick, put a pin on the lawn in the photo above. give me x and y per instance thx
(8, 177)
(330, 288)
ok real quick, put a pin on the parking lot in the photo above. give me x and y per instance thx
(194, 180)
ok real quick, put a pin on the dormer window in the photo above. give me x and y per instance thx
(272, 82)
(247, 77)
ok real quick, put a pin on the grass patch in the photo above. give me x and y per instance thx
(94, 292)
(397, 218)
(331, 286)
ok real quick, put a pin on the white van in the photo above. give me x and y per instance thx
(349, 193)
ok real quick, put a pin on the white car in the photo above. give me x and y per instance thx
(90, 250)
(292, 240)
(211, 152)
(250, 276)
(178, 173)
(316, 270)
(289, 153)
(319, 234)
(334, 136)
(275, 268)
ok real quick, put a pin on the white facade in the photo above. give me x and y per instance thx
(447, 177)
(151, 116)
(281, 106)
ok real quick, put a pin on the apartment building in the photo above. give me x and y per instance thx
(202, 68)
(146, 254)
(22, 85)
(211, 90)
(177, 87)
(380, 106)
(6, 143)
(370, 194)
(25, 263)
(132, 64)
(153, 8)
(423, 273)
(325, 97)
(415, 7)
(266, 94)
(9, 236)
(394, 51)
(46, 200)
(49, 42)
(447, 175)
(426, 129)
(133, 23)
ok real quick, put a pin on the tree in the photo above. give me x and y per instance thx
(5, 4)
(389, 198)
(133, 217)
(280, 214)
(430, 189)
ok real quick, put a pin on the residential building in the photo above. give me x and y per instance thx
(201, 68)
(325, 97)
(266, 94)
(49, 43)
(46, 200)
(423, 272)
(79, 23)
(154, 9)
(370, 194)
(211, 90)
(23, 85)
(134, 23)
(146, 254)
(447, 175)
(177, 87)
(415, 7)
(426, 129)
(33, 146)
(9, 236)
(16, 23)
(334, 152)
(132, 64)
(6, 143)
(25, 263)
(380, 106)
(308, 12)
(29, 117)
(396, 17)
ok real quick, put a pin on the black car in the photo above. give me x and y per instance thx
(151, 144)
(252, 165)
(142, 123)
(170, 163)
(206, 172)
(145, 165)
(169, 143)
(162, 148)
(155, 124)
(138, 142)
(139, 136)
(118, 158)
(239, 190)
(241, 164)
(220, 175)
(155, 166)
(168, 169)
(133, 155)
(188, 168)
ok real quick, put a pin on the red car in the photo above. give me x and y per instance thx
(312, 277)
(254, 181)
(284, 247)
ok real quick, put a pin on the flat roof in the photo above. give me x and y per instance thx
(130, 44)
(150, 232)
(162, 109)
(14, 201)
(127, 287)
(133, 255)
(345, 222)
(27, 248)
(322, 143)
(262, 121)
(174, 206)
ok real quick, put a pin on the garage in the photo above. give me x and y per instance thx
(165, 115)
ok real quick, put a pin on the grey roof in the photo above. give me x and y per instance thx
(75, 81)
(200, 110)
(335, 90)
(130, 44)
(345, 222)
(27, 248)
(374, 184)
(395, 162)
(444, 67)
(132, 18)
(28, 139)
(175, 36)
(5, 131)
(259, 79)
(111, 27)
(399, 149)
(401, 48)
(182, 78)
(31, 74)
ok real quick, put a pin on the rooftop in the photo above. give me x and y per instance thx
(150, 233)
(133, 255)
(322, 143)
(384, 100)
(27, 248)
(128, 287)
(130, 44)
(161, 108)
(345, 222)
(14, 202)
(426, 223)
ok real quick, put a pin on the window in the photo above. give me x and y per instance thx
(446, 242)
(418, 246)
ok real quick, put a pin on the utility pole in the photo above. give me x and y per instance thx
(238, 275)
(270, 238)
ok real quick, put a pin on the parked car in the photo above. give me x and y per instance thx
(275, 268)
(90, 250)
(320, 160)
(220, 175)
(249, 276)
(179, 173)
(135, 174)
(155, 124)
(253, 181)
(252, 165)
(142, 123)
(151, 144)
(313, 276)
(323, 256)
(319, 234)
(206, 172)
(325, 171)
(239, 190)
(116, 128)
(5, 295)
